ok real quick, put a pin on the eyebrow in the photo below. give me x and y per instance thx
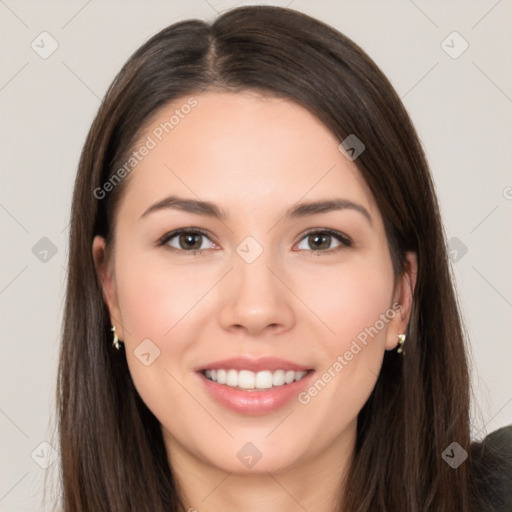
(299, 210)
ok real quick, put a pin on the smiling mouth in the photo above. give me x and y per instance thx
(254, 381)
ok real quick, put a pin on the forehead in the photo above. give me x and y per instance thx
(244, 150)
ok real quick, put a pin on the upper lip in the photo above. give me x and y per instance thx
(255, 365)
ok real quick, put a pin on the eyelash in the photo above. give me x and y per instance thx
(343, 239)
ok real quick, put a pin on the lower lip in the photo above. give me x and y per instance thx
(255, 402)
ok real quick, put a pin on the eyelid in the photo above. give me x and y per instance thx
(344, 240)
(172, 234)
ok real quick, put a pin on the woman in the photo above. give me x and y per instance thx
(259, 312)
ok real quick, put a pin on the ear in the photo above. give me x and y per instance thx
(403, 295)
(105, 272)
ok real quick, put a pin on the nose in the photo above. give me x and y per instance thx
(255, 298)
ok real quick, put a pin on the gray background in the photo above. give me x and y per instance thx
(461, 107)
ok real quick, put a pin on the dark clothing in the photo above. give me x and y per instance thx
(491, 472)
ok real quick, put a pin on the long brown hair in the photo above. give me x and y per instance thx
(113, 455)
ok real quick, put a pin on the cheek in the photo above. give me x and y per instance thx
(353, 301)
(163, 303)
(358, 309)
(157, 305)
(349, 299)
(154, 296)
(350, 359)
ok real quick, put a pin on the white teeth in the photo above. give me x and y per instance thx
(290, 377)
(278, 378)
(232, 378)
(299, 375)
(246, 379)
(263, 380)
(221, 376)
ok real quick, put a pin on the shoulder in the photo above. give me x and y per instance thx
(491, 472)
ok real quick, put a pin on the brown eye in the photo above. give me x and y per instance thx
(186, 240)
(321, 241)
(190, 241)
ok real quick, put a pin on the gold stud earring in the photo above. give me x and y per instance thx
(401, 341)
(115, 341)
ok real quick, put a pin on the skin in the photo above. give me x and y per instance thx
(255, 157)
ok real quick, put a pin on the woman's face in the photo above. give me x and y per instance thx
(301, 299)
